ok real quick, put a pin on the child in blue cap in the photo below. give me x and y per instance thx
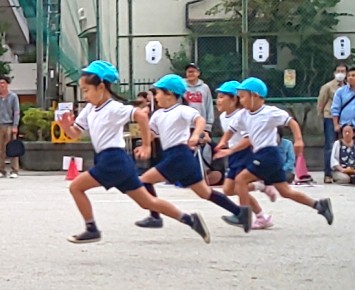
(261, 122)
(105, 119)
(172, 124)
(228, 103)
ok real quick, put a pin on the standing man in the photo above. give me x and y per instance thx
(325, 100)
(343, 107)
(9, 121)
(198, 95)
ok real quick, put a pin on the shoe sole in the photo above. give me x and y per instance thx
(75, 241)
(226, 220)
(148, 227)
(329, 203)
(207, 238)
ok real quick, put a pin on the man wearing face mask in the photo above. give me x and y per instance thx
(325, 100)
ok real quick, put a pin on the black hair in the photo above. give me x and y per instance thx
(184, 102)
(94, 80)
(343, 127)
(142, 94)
(5, 78)
(341, 64)
(153, 90)
(351, 69)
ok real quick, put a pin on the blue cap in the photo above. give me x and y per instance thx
(254, 85)
(104, 70)
(228, 88)
(172, 83)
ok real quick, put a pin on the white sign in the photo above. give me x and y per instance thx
(153, 52)
(78, 162)
(342, 47)
(65, 106)
(261, 50)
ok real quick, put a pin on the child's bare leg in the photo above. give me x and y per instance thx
(205, 192)
(242, 186)
(323, 206)
(77, 188)
(149, 178)
(147, 201)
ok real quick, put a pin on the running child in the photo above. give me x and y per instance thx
(172, 124)
(228, 103)
(105, 119)
(261, 122)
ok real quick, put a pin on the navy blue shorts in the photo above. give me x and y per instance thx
(266, 164)
(180, 165)
(114, 168)
(237, 162)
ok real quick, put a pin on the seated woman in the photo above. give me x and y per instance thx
(342, 160)
(287, 154)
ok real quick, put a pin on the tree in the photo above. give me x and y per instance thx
(4, 66)
(303, 27)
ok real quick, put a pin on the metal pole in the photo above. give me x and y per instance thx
(245, 40)
(39, 54)
(98, 30)
(130, 49)
(117, 42)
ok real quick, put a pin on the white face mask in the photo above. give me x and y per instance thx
(339, 77)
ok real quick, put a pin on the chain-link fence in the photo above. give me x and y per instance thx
(218, 35)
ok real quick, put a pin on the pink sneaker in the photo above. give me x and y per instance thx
(271, 192)
(262, 223)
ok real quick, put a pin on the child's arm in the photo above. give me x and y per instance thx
(141, 118)
(66, 121)
(224, 140)
(200, 124)
(297, 136)
(243, 144)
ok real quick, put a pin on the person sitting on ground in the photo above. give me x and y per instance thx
(287, 154)
(343, 156)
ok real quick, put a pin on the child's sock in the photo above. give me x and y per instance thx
(259, 186)
(186, 219)
(151, 190)
(317, 205)
(223, 201)
(91, 225)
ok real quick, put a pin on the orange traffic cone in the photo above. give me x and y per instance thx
(302, 174)
(72, 170)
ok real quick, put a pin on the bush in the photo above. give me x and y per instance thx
(37, 124)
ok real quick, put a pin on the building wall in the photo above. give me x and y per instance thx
(158, 17)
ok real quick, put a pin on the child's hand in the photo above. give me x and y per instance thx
(299, 145)
(66, 120)
(193, 141)
(222, 153)
(219, 147)
(142, 152)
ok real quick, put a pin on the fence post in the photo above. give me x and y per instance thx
(245, 40)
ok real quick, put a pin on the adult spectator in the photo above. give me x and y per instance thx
(325, 100)
(198, 95)
(343, 156)
(142, 98)
(343, 103)
(9, 121)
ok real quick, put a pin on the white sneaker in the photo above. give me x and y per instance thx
(2, 175)
(13, 175)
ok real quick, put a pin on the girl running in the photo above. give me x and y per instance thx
(172, 124)
(228, 103)
(105, 119)
(262, 121)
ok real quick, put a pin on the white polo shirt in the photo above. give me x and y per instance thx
(261, 125)
(172, 125)
(225, 122)
(105, 124)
